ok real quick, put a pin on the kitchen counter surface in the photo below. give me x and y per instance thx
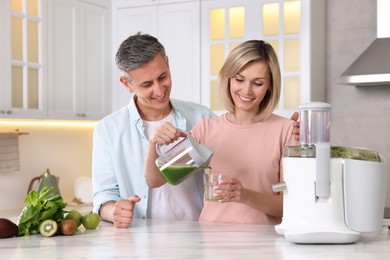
(154, 239)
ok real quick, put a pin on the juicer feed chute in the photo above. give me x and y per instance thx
(315, 131)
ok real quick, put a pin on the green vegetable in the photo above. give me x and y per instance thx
(38, 209)
(335, 152)
(355, 153)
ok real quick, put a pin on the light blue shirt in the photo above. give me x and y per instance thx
(119, 150)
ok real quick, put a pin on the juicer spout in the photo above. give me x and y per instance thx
(279, 187)
(322, 184)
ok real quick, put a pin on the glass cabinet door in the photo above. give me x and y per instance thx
(26, 56)
(288, 25)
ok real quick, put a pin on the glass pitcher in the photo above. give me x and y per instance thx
(183, 159)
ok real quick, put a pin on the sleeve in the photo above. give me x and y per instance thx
(105, 184)
(198, 131)
(288, 140)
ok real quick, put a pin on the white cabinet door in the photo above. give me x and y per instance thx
(177, 26)
(92, 62)
(22, 91)
(179, 32)
(78, 72)
(139, 3)
(5, 60)
(129, 21)
(62, 60)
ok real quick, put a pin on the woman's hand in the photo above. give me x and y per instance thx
(231, 190)
(297, 124)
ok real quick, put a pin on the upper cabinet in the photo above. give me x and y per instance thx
(54, 59)
(58, 56)
(294, 28)
(78, 59)
(177, 26)
(22, 66)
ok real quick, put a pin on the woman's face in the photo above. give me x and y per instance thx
(249, 86)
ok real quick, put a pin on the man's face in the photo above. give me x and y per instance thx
(152, 84)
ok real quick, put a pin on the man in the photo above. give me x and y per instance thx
(121, 141)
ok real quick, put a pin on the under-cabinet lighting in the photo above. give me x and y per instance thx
(67, 123)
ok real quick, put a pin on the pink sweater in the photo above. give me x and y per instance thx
(250, 153)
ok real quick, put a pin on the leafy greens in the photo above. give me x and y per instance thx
(38, 209)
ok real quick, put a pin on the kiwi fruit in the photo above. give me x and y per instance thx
(8, 228)
(48, 228)
(68, 227)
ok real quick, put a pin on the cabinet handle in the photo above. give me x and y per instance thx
(80, 114)
(6, 112)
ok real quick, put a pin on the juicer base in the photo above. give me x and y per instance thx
(322, 237)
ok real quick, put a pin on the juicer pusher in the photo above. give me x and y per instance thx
(315, 131)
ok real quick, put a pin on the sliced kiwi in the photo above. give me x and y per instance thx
(48, 228)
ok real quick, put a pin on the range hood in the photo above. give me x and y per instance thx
(372, 67)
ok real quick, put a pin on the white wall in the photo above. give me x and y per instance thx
(65, 150)
(360, 115)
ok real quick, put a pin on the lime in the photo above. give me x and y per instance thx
(75, 215)
(91, 220)
(48, 228)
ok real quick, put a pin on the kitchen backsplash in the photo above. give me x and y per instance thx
(65, 150)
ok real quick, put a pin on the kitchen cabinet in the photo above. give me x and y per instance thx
(177, 26)
(138, 3)
(294, 28)
(5, 60)
(78, 59)
(22, 89)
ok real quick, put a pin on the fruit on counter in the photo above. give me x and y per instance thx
(75, 215)
(48, 228)
(90, 220)
(8, 228)
(68, 227)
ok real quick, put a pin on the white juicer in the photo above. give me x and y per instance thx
(330, 194)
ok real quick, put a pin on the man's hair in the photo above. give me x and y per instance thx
(137, 50)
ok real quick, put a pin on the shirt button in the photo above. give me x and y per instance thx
(143, 217)
(144, 196)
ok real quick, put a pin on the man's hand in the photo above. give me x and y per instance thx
(296, 129)
(119, 212)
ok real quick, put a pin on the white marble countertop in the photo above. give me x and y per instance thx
(153, 239)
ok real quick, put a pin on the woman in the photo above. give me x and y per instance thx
(247, 141)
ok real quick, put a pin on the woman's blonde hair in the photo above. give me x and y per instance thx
(238, 58)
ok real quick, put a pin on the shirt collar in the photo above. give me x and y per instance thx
(133, 111)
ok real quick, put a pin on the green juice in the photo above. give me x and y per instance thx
(174, 174)
(209, 194)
